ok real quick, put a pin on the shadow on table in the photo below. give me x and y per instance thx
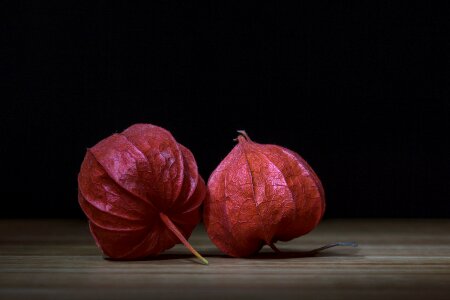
(163, 256)
(303, 254)
(319, 252)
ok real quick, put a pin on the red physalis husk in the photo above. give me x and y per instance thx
(261, 194)
(141, 191)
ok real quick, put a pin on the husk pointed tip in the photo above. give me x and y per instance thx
(203, 260)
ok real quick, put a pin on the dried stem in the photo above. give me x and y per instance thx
(346, 244)
(180, 236)
(317, 250)
(244, 134)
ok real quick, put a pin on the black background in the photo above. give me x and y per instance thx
(360, 90)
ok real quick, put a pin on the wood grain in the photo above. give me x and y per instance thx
(396, 259)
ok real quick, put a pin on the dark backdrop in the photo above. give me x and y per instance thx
(360, 90)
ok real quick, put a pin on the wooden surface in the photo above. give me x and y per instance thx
(396, 259)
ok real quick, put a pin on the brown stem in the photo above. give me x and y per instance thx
(317, 250)
(345, 244)
(180, 236)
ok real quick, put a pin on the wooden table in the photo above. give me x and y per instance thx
(396, 259)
